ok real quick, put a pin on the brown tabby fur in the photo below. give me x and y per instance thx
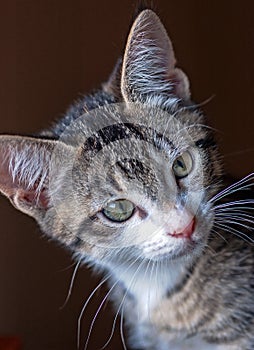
(121, 142)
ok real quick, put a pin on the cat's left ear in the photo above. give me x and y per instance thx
(24, 172)
(149, 64)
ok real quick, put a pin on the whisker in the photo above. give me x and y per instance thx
(231, 191)
(122, 331)
(200, 104)
(211, 251)
(234, 223)
(220, 235)
(71, 284)
(149, 285)
(237, 186)
(120, 306)
(103, 302)
(158, 263)
(242, 216)
(122, 313)
(236, 204)
(85, 305)
(198, 125)
(244, 151)
(97, 313)
(239, 234)
(68, 267)
(234, 210)
(150, 288)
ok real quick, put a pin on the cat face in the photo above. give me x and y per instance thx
(135, 185)
(130, 179)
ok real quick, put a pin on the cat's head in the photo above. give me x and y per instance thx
(131, 179)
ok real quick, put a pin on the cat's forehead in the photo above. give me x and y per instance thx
(102, 126)
(119, 149)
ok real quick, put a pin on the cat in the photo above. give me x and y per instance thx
(130, 180)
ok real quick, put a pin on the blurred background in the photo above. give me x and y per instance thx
(51, 52)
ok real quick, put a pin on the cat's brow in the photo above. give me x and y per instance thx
(120, 131)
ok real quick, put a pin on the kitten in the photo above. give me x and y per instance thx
(129, 181)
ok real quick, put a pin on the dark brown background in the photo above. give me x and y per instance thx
(50, 52)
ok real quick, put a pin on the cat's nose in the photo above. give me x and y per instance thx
(185, 232)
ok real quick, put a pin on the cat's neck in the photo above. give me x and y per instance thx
(148, 283)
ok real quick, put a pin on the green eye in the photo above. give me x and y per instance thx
(182, 165)
(119, 211)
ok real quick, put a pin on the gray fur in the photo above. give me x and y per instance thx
(121, 142)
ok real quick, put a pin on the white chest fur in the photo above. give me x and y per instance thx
(148, 284)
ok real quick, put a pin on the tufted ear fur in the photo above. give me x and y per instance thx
(24, 172)
(113, 85)
(149, 62)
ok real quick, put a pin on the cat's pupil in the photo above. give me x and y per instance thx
(180, 163)
(119, 210)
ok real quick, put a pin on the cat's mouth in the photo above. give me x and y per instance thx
(177, 244)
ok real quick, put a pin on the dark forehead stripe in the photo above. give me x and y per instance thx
(120, 131)
(135, 169)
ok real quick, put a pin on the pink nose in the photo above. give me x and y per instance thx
(186, 232)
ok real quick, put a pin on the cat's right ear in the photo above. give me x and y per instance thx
(148, 67)
(25, 170)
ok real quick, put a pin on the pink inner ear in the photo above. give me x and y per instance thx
(180, 83)
(17, 191)
(24, 171)
(32, 198)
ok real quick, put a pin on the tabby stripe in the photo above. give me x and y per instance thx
(205, 143)
(120, 131)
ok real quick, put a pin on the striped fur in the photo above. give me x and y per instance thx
(121, 142)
